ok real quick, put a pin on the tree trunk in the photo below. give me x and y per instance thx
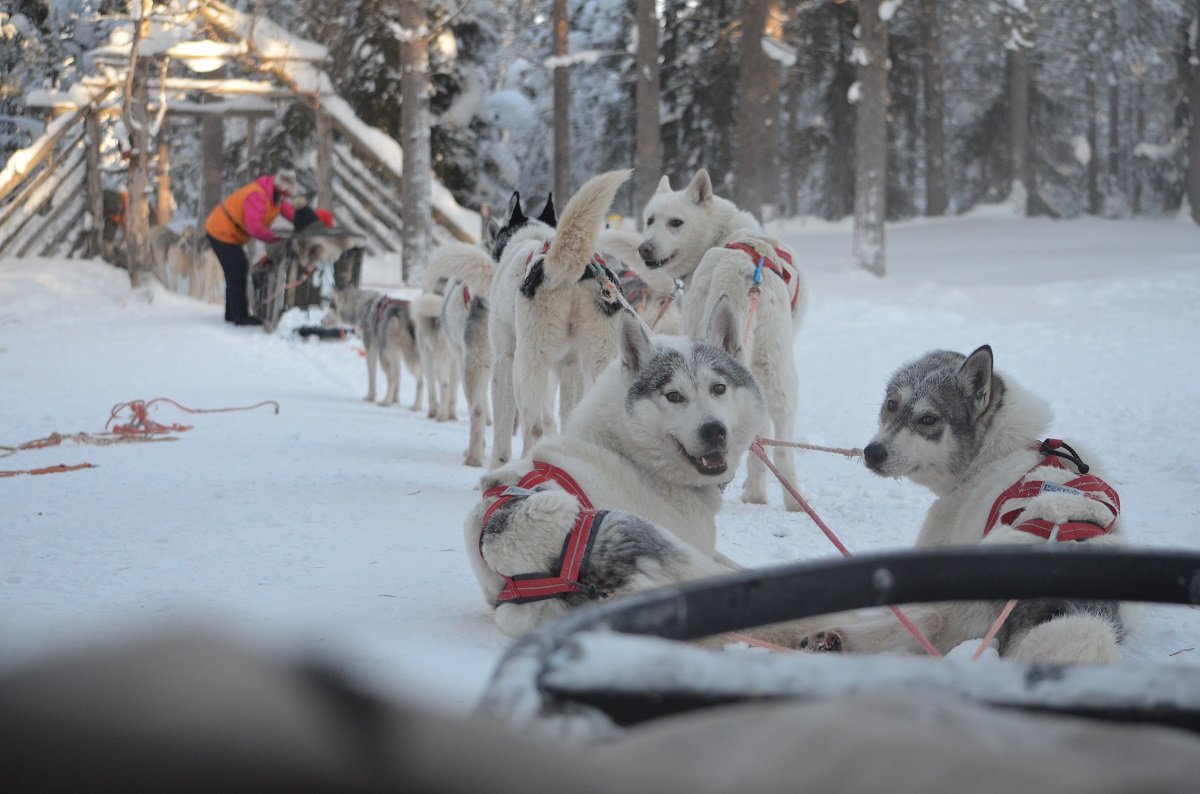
(870, 141)
(212, 144)
(562, 107)
(325, 160)
(1193, 172)
(1093, 137)
(416, 180)
(1113, 187)
(648, 154)
(1018, 125)
(137, 121)
(774, 143)
(95, 194)
(164, 203)
(931, 62)
(840, 164)
(752, 122)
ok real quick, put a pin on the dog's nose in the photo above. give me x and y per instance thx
(713, 433)
(646, 252)
(875, 453)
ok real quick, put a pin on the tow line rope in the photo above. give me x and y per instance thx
(139, 428)
(758, 449)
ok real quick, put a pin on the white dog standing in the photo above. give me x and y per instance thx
(972, 436)
(718, 250)
(549, 317)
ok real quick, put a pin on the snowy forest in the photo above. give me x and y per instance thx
(794, 106)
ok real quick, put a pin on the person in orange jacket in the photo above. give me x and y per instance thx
(247, 213)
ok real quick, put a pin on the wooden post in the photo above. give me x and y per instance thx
(164, 204)
(324, 161)
(485, 214)
(95, 192)
(251, 145)
(212, 143)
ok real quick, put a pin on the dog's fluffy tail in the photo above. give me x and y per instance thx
(428, 304)
(460, 262)
(579, 226)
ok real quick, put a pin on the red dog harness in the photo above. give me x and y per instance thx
(1085, 485)
(537, 586)
(773, 266)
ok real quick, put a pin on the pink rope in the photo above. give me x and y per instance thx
(853, 452)
(750, 317)
(758, 450)
(995, 629)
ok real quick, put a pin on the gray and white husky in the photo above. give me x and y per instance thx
(966, 432)
(686, 235)
(438, 368)
(467, 274)
(549, 317)
(388, 334)
(650, 446)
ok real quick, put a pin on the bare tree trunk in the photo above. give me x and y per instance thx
(648, 154)
(791, 146)
(1113, 187)
(562, 106)
(95, 195)
(137, 121)
(770, 169)
(935, 146)
(325, 160)
(212, 143)
(164, 203)
(1193, 172)
(751, 110)
(1018, 124)
(841, 165)
(1093, 137)
(870, 141)
(416, 181)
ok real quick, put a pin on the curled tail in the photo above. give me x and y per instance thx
(461, 262)
(579, 227)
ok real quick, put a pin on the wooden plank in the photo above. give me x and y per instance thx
(324, 159)
(95, 192)
(32, 208)
(33, 155)
(366, 193)
(387, 198)
(39, 231)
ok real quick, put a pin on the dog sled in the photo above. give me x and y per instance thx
(614, 667)
(284, 278)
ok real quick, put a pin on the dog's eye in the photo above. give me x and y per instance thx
(675, 223)
(674, 397)
(718, 388)
(929, 420)
(891, 406)
(650, 221)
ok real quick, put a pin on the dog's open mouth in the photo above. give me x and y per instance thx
(712, 463)
(655, 264)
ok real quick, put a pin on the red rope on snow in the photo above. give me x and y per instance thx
(58, 469)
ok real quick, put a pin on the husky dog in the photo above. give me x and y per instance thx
(967, 433)
(433, 349)
(550, 316)
(652, 293)
(716, 250)
(388, 333)
(187, 260)
(467, 274)
(647, 454)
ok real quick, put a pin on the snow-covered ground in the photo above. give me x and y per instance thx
(336, 525)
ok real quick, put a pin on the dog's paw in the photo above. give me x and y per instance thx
(370, 398)
(753, 496)
(790, 504)
(822, 642)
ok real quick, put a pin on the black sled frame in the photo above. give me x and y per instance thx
(586, 674)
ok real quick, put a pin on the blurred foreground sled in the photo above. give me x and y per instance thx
(196, 712)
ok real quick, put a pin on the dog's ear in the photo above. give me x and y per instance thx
(636, 347)
(723, 328)
(549, 216)
(700, 189)
(975, 377)
(515, 214)
(664, 185)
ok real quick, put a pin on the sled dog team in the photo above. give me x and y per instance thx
(619, 490)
